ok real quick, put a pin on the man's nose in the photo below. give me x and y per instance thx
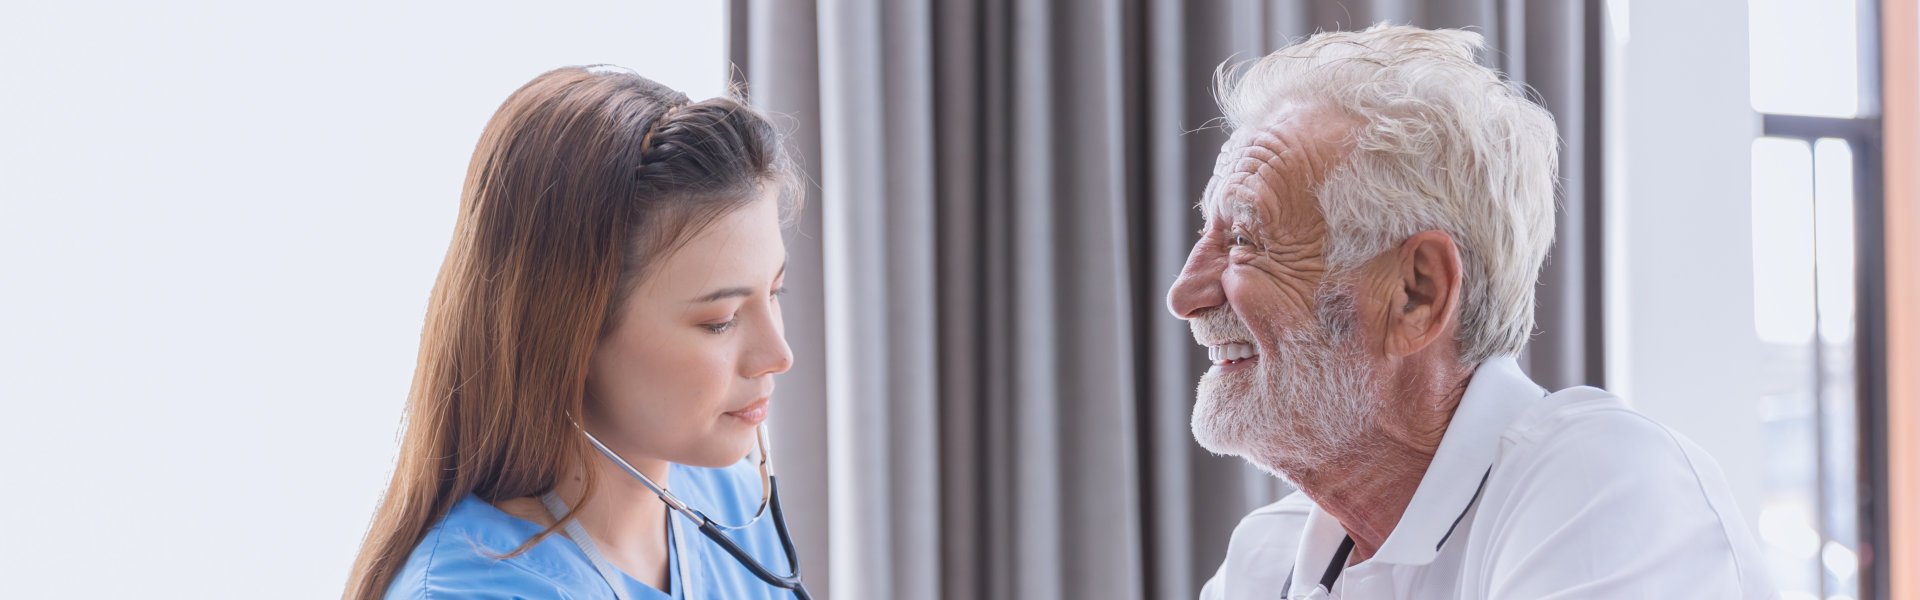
(1198, 287)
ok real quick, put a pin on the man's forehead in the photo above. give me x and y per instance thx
(1265, 162)
(1249, 172)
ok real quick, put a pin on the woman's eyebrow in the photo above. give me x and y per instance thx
(734, 292)
(722, 294)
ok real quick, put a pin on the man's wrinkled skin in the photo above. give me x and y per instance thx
(1262, 260)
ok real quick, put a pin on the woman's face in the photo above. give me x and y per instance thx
(687, 373)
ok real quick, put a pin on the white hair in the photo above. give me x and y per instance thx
(1442, 143)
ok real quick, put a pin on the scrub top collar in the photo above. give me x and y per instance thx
(1497, 393)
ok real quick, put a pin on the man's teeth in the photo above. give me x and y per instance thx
(1231, 352)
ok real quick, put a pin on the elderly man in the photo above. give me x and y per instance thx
(1374, 229)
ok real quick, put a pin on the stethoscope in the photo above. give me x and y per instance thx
(769, 498)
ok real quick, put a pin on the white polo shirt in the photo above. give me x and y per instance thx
(1530, 495)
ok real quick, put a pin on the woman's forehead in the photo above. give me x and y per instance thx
(741, 248)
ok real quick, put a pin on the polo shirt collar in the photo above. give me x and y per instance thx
(1497, 393)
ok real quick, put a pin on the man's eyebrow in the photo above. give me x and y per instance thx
(1230, 207)
(734, 292)
(1241, 208)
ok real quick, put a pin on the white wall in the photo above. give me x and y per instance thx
(1681, 131)
(219, 222)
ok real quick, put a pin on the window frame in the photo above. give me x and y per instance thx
(1864, 133)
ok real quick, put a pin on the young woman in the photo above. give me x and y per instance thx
(615, 270)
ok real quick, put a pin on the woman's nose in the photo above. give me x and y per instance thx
(770, 354)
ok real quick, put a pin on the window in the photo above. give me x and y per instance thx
(1816, 173)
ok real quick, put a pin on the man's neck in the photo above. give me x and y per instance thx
(1369, 488)
(1367, 492)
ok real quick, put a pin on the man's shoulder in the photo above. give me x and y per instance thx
(1581, 464)
(1595, 433)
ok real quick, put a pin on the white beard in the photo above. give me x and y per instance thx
(1309, 400)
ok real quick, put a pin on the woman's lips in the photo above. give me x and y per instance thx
(753, 414)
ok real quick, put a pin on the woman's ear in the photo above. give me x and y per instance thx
(1427, 292)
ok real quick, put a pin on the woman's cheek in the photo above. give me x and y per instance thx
(695, 372)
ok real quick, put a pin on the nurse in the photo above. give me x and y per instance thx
(615, 268)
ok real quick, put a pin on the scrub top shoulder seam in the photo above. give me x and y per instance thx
(481, 552)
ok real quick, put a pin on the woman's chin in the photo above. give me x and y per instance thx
(722, 454)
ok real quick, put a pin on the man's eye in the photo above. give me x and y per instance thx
(1240, 239)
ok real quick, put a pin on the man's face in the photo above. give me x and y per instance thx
(1291, 383)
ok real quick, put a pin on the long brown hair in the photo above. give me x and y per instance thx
(583, 178)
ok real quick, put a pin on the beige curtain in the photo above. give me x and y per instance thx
(989, 399)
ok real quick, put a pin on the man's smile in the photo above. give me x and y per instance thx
(1232, 353)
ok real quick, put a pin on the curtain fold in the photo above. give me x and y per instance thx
(775, 45)
(989, 399)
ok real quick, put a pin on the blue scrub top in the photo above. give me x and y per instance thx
(456, 558)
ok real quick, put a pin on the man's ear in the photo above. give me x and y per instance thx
(1426, 293)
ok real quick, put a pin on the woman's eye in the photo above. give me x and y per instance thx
(719, 327)
(782, 291)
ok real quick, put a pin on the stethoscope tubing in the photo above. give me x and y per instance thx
(770, 500)
(787, 582)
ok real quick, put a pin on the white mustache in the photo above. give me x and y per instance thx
(1219, 324)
